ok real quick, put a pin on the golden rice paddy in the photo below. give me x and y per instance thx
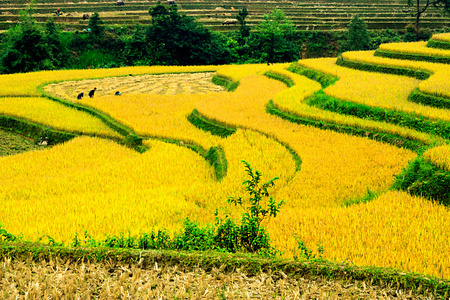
(95, 185)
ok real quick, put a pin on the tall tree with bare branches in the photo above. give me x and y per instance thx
(420, 6)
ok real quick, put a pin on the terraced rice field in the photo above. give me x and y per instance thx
(306, 15)
(327, 160)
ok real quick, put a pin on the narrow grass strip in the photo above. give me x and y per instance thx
(224, 130)
(325, 80)
(412, 56)
(188, 144)
(392, 139)
(409, 120)
(34, 131)
(430, 100)
(369, 196)
(225, 82)
(215, 156)
(249, 264)
(212, 126)
(280, 77)
(437, 44)
(418, 74)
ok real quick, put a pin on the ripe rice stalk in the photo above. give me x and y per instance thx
(57, 116)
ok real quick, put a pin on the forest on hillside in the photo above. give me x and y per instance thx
(176, 39)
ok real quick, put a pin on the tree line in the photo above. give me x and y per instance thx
(176, 39)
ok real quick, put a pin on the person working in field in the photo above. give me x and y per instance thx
(80, 95)
(91, 93)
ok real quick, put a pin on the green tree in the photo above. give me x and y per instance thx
(136, 47)
(96, 28)
(25, 48)
(244, 30)
(420, 6)
(180, 40)
(358, 37)
(57, 51)
(276, 38)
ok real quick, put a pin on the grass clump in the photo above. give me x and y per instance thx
(216, 157)
(134, 141)
(11, 144)
(422, 178)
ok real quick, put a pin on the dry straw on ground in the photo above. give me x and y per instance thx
(161, 84)
(58, 279)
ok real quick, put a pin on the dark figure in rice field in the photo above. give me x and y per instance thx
(91, 93)
(80, 95)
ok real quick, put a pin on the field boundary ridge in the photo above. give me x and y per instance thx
(412, 56)
(364, 66)
(250, 264)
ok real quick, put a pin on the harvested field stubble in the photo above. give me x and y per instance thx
(26, 84)
(64, 279)
(159, 84)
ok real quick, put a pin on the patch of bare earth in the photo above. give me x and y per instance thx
(162, 84)
(58, 279)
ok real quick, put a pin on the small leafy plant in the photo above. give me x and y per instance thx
(250, 235)
(304, 253)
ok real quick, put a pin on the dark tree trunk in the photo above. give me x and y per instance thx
(419, 13)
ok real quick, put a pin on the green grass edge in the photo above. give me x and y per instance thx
(34, 131)
(412, 56)
(392, 139)
(408, 120)
(229, 84)
(427, 99)
(438, 44)
(362, 66)
(250, 264)
(324, 79)
(212, 126)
